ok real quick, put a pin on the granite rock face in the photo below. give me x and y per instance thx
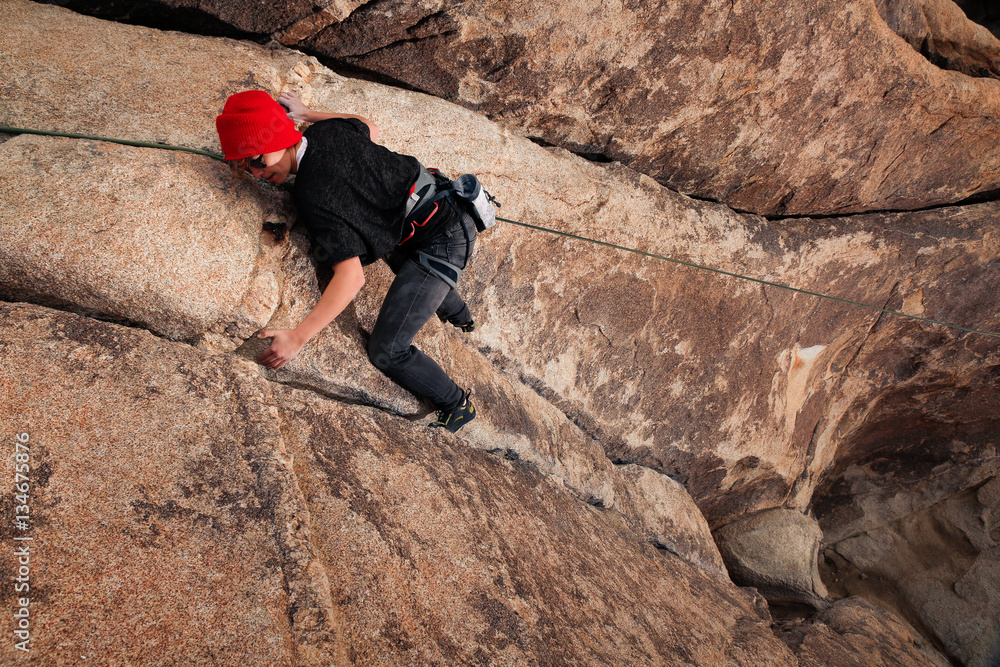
(855, 632)
(112, 243)
(185, 510)
(746, 394)
(942, 32)
(645, 399)
(164, 523)
(772, 107)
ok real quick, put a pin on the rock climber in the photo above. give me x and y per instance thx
(354, 196)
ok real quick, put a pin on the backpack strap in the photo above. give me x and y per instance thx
(421, 189)
(426, 195)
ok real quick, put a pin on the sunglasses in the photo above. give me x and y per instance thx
(258, 162)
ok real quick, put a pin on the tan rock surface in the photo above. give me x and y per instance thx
(855, 632)
(71, 73)
(733, 389)
(334, 363)
(751, 397)
(164, 524)
(940, 30)
(777, 552)
(773, 107)
(113, 243)
(185, 510)
(480, 559)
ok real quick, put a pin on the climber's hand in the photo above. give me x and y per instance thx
(297, 111)
(285, 346)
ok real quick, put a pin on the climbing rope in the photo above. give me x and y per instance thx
(127, 142)
(215, 156)
(752, 279)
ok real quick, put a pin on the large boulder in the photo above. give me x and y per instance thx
(777, 552)
(185, 510)
(748, 395)
(166, 240)
(164, 520)
(285, 285)
(615, 377)
(774, 107)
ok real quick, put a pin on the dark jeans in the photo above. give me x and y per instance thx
(413, 297)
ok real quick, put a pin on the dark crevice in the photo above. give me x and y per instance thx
(152, 14)
(665, 547)
(978, 198)
(984, 12)
(73, 309)
(619, 461)
(599, 158)
(541, 142)
(353, 71)
(400, 42)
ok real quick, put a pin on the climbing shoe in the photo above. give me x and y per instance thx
(467, 327)
(458, 417)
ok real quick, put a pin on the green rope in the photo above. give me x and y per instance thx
(751, 279)
(215, 156)
(127, 142)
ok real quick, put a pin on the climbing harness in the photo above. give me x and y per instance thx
(19, 130)
(427, 194)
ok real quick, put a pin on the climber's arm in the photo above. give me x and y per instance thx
(348, 278)
(300, 113)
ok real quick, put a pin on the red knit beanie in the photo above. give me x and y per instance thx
(252, 123)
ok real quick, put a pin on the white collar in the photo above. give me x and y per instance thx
(302, 151)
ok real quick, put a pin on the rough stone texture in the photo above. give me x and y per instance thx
(747, 395)
(773, 107)
(776, 552)
(113, 243)
(941, 31)
(481, 560)
(163, 515)
(937, 565)
(335, 363)
(752, 398)
(853, 632)
(146, 87)
(212, 516)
